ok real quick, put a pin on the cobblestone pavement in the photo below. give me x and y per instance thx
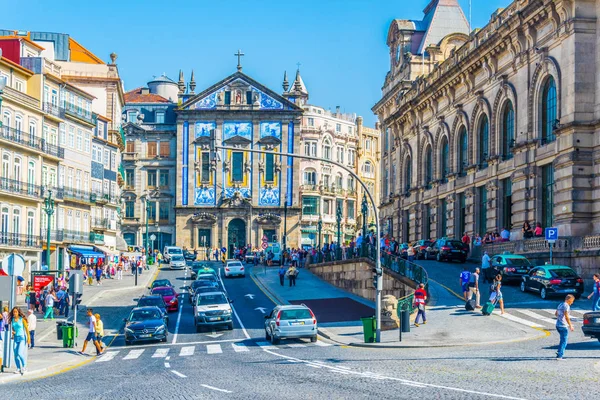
(239, 364)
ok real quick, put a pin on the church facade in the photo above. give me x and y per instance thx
(240, 197)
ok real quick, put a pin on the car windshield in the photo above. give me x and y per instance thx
(162, 282)
(177, 258)
(518, 262)
(234, 264)
(563, 273)
(143, 315)
(203, 283)
(175, 250)
(208, 299)
(207, 277)
(299, 313)
(455, 244)
(163, 291)
(150, 301)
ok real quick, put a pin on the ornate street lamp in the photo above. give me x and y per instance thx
(285, 205)
(338, 217)
(319, 228)
(49, 210)
(364, 210)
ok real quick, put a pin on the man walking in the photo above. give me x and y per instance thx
(485, 265)
(282, 275)
(420, 298)
(91, 336)
(291, 272)
(563, 324)
(595, 295)
(31, 325)
(465, 277)
(474, 288)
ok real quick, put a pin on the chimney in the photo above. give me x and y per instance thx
(145, 91)
(337, 110)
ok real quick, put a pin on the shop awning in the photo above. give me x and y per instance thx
(106, 250)
(85, 251)
(121, 244)
(308, 229)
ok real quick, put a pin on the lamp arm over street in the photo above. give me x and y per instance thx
(375, 211)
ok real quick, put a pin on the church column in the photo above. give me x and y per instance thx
(255, 175)
(286, 169)
(184, 151)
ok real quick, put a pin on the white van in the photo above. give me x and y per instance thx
(169, 251)
(274, 248)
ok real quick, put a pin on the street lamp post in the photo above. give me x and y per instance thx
(49, 209)
(319, 228)
(365, 210)
(338, 217)
(285, 205)
(147, 218)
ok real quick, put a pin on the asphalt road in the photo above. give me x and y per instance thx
(239, 364)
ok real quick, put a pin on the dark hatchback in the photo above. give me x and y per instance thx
(449, 250)
(553, 280)
(591, 324)
(512, 267)
(145, 324)
(421, 249)
(202, 286)
(160, 283)
(154, 300)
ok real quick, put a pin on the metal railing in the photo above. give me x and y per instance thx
(77, 194)
(33, 142)
(76, 236)
(53, 109)
(103, 223)
(79, 112)
(19, 240)
(20, 188)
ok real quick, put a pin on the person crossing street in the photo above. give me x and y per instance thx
(564, 324)
(282, 273)
(595, 295)
(420, 299)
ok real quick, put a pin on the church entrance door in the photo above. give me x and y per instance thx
(236, 235)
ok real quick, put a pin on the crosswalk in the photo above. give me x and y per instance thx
(538, 318)
(209, 349)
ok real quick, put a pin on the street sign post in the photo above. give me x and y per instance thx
(551, 236)
(152, 239)
(264, 245)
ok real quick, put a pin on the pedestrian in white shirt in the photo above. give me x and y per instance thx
(31, 325)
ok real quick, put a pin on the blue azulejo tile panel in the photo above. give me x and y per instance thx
(267, 102)
(268, 197)
(270, 129)
(242, 129)
(204, 129)
(207, 103)
(205, 196)
(245, 192)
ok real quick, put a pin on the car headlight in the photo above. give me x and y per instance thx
(200, 314)
(227, 312)
(160, 329)
(128, 330)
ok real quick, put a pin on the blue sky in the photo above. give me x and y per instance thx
(339, 43)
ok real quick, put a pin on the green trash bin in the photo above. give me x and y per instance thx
(369, 328)
(68, 335)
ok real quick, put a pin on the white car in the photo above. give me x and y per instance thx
(170, 251)
(177, 262)
(234, 268)
(212, 309)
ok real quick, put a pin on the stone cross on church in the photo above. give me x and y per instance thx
(239, 56)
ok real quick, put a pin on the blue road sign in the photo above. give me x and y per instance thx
(311, 236)
(551, 233)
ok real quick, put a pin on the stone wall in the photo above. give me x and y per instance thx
(356, 276)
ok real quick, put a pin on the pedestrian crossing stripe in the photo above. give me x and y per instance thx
(133, 354)
(187, 351)
(161, 353)
(109, 355)
(214, 349)
(266, 345)
(537, 316)
(296, 345)
(322, 344)
(239, 347)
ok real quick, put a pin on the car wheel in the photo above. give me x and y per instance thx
(598, 339)
(230, 326)
(198, 329)
(127, 343)
(274, 340)
(543, 294)
(438, 258)
(267, 336)
(164, 340)
(523, 288)
(313, 339)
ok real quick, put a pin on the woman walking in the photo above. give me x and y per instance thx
(497, 292)
(20, 332)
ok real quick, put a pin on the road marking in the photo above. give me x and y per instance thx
(251, 296)
(214, 335)
(167, 358)
(143, 346)
(235, 313)
(180, 310)
(400, 380)
(296, 345)
(187, 351)
(239, 347)
(261, 309)
(167, 365)
(133, 354)
(322, 344)
(215, 388)
(520, 320)
(537, 316)
(109, 355)
(266, 345)
(161, 353)
(179, 374)
(214, 349)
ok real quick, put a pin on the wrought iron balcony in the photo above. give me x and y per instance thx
(100, 223)
(78, 112)
(53, 109)
(76, 236)
(77, 194)
(20, 188)
(19, 240)
(33, 142)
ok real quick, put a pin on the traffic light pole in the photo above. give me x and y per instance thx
(215, 156)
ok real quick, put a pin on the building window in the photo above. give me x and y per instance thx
(165, 149)
(106, 159)
(152, 149)
(368, 144)
(339, 181)
(237, 166)
(310, 177)
(113, 161)
(152, 178)
(507, 203)
(151, 211)
(408, 173)
(131, 114)
(163, 178)
(483, 141)
(350, 209)
(445, 165)
(205, 174)
(310, 148)
(130, 177)
(129, 209)
(71, 136)
(339, 205)
(228, 97)
(548, 195)
(130, 146)
(338, 127)
(163, 211)
(482, 210)
(269, 167)
(350, 184)
(351, 157)
(327, 207)
(350, 130)
(160, 117)
(311, 122)
(385, 189)
(426, 222)
(443, 219)
(548, 115)
(368, 170)
(310, 205)
(340, 154)
(327, 151)
(463, 149)
(461, 216)
(428, 167)
(386, 139)
(508, 130)
(87, 142)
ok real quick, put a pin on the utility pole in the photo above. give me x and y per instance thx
(49, 210)
(338, 217)
(216, 157)
(285, 205)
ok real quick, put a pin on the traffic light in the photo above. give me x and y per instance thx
(377, 275)
(76, 300)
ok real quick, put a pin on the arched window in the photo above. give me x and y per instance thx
(327, 150)
(548, 114)
(407, 173)
(484, 141)
(339, 181)
(310, 177)
(444, 157)
(463, 149)
(508, 130)
(5, 165)
(16, 222)
(428, 175)
(368, 170)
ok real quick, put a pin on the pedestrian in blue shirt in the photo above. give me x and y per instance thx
(595, 295)
(563, 324)
(282, 272)
(465, 277)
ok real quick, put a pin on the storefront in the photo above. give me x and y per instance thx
(84, 255)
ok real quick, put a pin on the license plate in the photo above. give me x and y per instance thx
(570, 290)
(297, 323)
(146, 336)
(214, 319)
(456, 251)
(521, 271)
(577, 284)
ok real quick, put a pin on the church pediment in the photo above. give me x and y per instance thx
(238, 91)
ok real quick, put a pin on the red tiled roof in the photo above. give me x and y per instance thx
(136, 96)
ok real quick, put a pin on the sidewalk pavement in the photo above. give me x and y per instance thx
(112, 300)
(448, 324)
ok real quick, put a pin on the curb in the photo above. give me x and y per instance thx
(263, 288)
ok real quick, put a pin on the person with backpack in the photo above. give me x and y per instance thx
(595, 295)
(465, 276)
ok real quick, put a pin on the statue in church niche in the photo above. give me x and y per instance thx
(238, 97)
(255, 99)
(277, 166)
(198, 166)
(220, 98)
(247, 167)
(261, 165)
(226, 165)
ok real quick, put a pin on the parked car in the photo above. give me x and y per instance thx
(553, 280)
(234, 268)
(154, 301)
(449, 250)
(189, 255)
(160, 282)
(201, 267)
(145, 324)
(403, 250)
(512, 267)
(290, 321)
(591, 324)
(198, 287)
(171, 250)
(169, 295)
(177, 262)
(207, 277)
(249, 257)
(421, 249)
(212, 309)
